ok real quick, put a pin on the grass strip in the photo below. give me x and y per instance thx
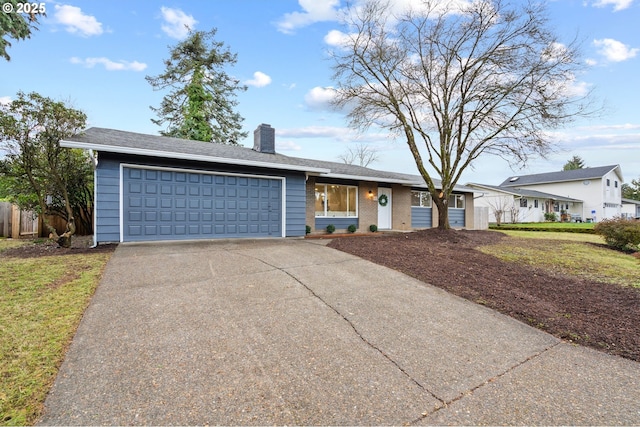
(41, 303)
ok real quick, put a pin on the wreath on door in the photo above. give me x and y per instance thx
(383, 200)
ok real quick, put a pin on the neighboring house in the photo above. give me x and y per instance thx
(631, 208)
(522, 205)
(599, 189)
(157, 188)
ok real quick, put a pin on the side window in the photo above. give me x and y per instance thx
(456, 201)
(421, 199)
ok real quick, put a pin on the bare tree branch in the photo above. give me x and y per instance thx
(485, 78)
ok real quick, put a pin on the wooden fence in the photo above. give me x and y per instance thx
(480, 218)
(16, 223)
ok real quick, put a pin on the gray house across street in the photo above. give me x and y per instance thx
(151, 187)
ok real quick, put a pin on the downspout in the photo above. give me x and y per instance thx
(94, 160)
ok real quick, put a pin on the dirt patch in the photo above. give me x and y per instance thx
(598, 315)
(48, 247)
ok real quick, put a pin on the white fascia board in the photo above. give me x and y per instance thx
(183, 156)
(369, 178)
(497, 190)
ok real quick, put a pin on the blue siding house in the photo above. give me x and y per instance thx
(151, 188)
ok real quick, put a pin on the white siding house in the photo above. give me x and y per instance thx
(631, 208)
(599, 188)
(522, 205)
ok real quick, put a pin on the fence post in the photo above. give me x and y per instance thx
(15, 222)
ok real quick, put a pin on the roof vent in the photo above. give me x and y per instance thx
(514, 179)
(264, 139)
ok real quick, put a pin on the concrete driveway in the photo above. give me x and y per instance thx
(256, 332)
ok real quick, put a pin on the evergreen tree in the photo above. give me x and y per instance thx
(631, 191)
(576, 162)
(17, 25)
(201, 101)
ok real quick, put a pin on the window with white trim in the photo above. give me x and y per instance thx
(421, 199)
(523, 202)
(334, 200)
(456, 201)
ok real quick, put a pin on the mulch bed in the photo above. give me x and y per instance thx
(48, 247)
(598, 315)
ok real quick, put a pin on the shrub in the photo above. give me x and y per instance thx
(331, 228)
(550, 216)
(620, 233)
(373, 228)
(352, 228)
(307, 229)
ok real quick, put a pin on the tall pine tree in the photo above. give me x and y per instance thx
(575, 162)
(201, 100)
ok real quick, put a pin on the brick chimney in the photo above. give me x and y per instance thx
(264, 139)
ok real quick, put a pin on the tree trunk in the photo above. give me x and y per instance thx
(64, 240)
(443, 212)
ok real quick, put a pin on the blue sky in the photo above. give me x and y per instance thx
(96, 55)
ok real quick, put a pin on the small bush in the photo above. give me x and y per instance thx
(373, 228)
(620, 233)
(307, 229)
(331, 228)
(352, 228)
(550, 216)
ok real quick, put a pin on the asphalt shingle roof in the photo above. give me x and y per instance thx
(523, 192)
(560, 176)
(117, 141)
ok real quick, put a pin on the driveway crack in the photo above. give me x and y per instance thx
(359, 334)
(487, 381)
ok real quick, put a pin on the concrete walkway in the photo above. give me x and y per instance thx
(292, 332)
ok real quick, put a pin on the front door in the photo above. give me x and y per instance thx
(384, 208)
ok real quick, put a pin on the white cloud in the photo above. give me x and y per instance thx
(77, 22)
(110, 65)
(313, 132)
(334, 133)
(319, 98)
(259, 79)
(287, 146)
(5, 100)
(312, 11)
(177, 23)
(617, 4)
(336, 38)
(614, 50)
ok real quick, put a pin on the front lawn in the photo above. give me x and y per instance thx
(568, 254)
(569, 227)
(42, 299)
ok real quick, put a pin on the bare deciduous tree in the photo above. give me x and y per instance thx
(483, 78)
(361, 155)
(499, 206)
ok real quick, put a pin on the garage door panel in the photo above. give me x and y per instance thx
(176, 204)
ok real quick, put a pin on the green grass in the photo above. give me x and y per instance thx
(10, 243)
(41, 303)
(571, 254)
(554, 235)
(569, 227)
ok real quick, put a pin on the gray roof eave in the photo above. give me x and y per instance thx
(186, 156)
